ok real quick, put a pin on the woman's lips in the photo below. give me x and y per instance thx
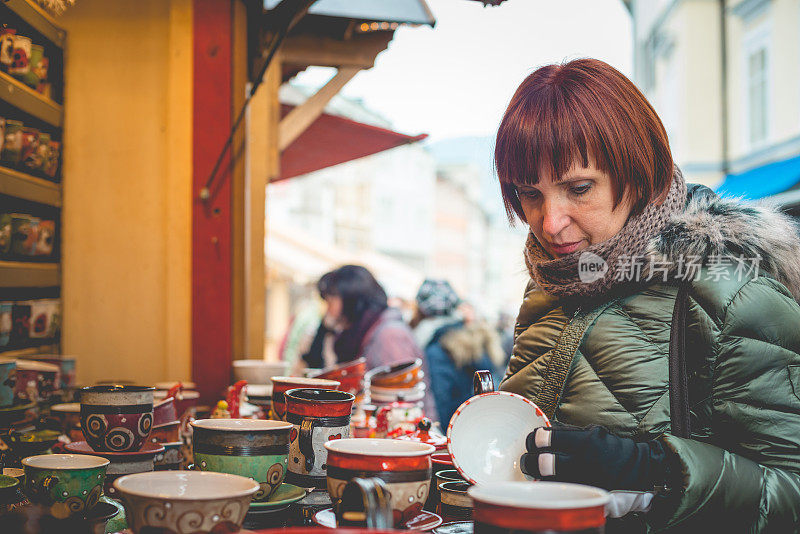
(565, 248)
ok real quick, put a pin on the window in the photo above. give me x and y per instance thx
(757, 80)
(757, 88)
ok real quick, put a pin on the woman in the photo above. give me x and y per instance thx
(584, 161)
(454, 349)
(359, 323)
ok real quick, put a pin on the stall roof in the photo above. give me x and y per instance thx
(331, 140)
(763, 181)
(404, 11)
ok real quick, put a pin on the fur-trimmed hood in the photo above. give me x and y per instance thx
(466, 345)
(715, 226)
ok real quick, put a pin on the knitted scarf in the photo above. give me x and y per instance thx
(581, 273)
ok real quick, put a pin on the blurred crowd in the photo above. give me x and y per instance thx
(354, 318)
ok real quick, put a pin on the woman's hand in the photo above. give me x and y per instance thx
(594, 456)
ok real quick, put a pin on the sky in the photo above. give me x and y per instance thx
(456, 79)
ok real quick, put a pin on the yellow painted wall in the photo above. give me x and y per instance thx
(127, 189)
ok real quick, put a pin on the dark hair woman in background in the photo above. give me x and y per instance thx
(359, 324)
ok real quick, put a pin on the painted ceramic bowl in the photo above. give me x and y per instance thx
(185, 401)
(32, 442)
(164, 411)
(36, 381)
(404, 466)
(486, 436)
(122, 463)
(116, 418)
(349, 374)
(172, 458)
(69, 414)
(401, 375)
(282, 384)
(448, 475)
(387, 395)
(258, 371)
(537, 507)
(7, 381)
(69, 484)
(166, 386)
(251, 448)
(9, 490)
(165, 433)
(454, 503)
(185, 501)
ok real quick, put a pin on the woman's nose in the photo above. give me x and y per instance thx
(554, 218)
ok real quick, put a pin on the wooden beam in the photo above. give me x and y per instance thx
(301, 117)
(360, 51)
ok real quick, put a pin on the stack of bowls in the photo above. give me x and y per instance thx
(117, 422)
(400, 382)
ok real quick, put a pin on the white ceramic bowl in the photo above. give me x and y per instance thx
(486, 436)
(379, 447)
(168, 385)
(259, 390)
(161, 394)
(392, 394)
(258, 371)
(64, 462)
(185, 501)
(241, 425)
(539, 495)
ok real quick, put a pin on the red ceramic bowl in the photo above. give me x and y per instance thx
(282, 384)
(350, 374)
(402, 375)
(404, 466)
(538, 506)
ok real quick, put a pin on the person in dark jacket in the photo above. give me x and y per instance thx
(615, 231)
(453, 349)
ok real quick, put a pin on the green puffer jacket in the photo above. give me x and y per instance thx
(741, 469)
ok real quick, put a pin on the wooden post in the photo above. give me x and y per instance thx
(211, 220)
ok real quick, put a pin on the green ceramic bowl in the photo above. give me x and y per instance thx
(70, 484)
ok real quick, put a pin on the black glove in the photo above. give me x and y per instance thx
(594, 456)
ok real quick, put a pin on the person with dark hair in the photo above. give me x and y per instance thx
(659, 331)
(359, 323)
(454, 349)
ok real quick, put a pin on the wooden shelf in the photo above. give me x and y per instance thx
(47, 348)
(29, 274)
(21, 185)
(39, 19)
(23, 97)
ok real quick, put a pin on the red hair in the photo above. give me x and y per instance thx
(563, 114)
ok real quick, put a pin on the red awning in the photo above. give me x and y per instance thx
(331, 140)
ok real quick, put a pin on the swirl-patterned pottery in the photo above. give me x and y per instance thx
(404, 466)
(69, 484)
(252, 448)
(182, 502)
(116, 418)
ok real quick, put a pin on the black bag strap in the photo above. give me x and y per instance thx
(678, 387)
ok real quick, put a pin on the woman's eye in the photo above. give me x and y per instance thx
(528, 193)
(581, 189)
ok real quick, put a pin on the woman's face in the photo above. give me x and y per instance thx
(334, 303)
(574, 213)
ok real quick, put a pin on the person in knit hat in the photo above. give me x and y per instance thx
(453, 349)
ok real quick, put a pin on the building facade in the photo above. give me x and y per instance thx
(724, 77)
